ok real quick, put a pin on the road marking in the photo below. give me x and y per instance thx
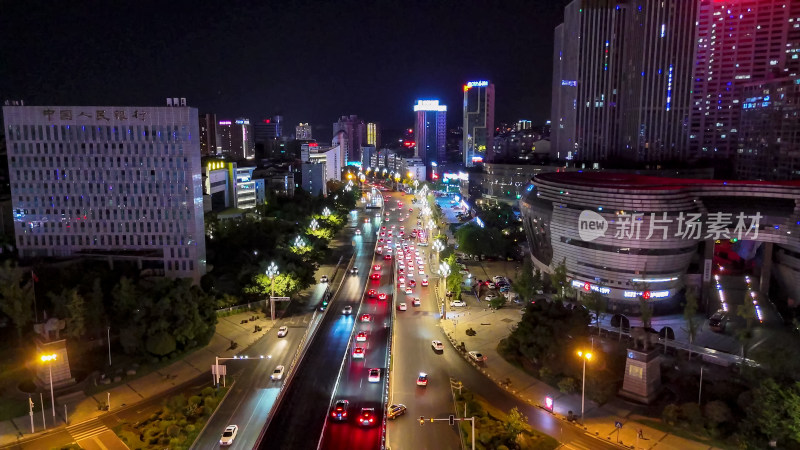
(86, 429)
(574, 446)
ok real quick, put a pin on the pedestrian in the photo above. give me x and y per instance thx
(641, 436)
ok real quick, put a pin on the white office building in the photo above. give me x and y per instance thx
(110, 182)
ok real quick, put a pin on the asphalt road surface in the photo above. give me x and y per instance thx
(299, 420)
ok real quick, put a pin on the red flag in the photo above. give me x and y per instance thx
(35, 278)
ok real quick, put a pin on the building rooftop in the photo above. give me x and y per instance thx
(644, 182)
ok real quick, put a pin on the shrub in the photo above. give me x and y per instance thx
(190, 428)
(692, 416)
(195, 400)
(173, 431)
(568, 385)
(470, 332)
(671, 414)
(546, 374)
(717, 412)
(210, 403)
(161, 344)
(177, 402)
(207, 392)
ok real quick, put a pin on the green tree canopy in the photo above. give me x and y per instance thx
(16, 296)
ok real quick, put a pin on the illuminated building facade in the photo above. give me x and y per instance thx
(738, 43)
(477, 143)
(225, 185)
(350, 133)
(302, 132)
(242, 142)
(108, 182)
(621, 80)
(430, 133)
(374, 134)
(208, 134)
(615, 230)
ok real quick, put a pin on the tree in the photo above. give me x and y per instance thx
(537, 281)
(524, 284)
(76, 319)
(748, 312)
(546, 329)
(453, 281)
(646, 312)
(596, 303)
(514, 424)
(558, 278)
(472, 240)
(690, 316)
(775, 413)
(95, 307)
(16, 297)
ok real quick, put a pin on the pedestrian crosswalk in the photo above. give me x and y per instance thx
(86, 429)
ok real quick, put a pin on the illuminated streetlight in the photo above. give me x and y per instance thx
(272, 272)
(326, 212)
(444, 270)
(314, 224)
(49, 359)
(299, 242)
(585, 356)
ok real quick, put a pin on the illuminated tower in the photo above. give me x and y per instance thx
(430, 133)
(478, 122)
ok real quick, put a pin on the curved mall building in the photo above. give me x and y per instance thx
(621, 232)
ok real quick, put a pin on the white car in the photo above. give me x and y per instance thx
(424, 281)
(374, 375)
(347, 310)
(229, 435)
(457, 304)
(402, 307)
(409, 291)
(477, 356)
(277, 374)
(358, 232)
(489, 297)
(437, 346)
(421, 272)
(491, 285)
(282, 331)
(323, 279)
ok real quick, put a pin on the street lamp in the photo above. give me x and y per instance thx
(585, 356)
(326, 212)
(49, 359)
(299, 242)
(444, 270)
(272, 272)
(438, 246)
(314, 224)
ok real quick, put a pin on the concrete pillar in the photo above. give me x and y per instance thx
(766, 270)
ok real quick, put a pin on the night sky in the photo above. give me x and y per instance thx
(310, 61)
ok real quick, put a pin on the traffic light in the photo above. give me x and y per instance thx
(421, 420)
(452, 419)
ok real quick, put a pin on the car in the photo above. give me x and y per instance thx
(354, 271)
(376, 275)
(372, 293)
(277, 374)
(282, 331)
(457, 304)
(422, 379)
(367, 417)
(401, 269)
(381, 296)
(409, 291)
(489, 297)
(383, 234)
(366, 220)
(497, 278)
(477, 356)
(424, 282)
(412, 283)
(387, 257)
(323, 279)
(400, 219)
(402, 228)
(395, 410)
(358, 232)
(718, 320)
(491, 285)
(361, 336)
(437, 345)
(229, 435)
(383, 228)
(347, 310)
(421, 272)
(402, 307)
(401, 280)
(410, 209)
(339, 410)
(505, 288)
(374, 375)
(358, 353)
(415, 302)
(376, 267)
(365, 318)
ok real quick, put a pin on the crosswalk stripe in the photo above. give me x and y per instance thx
(86, 430)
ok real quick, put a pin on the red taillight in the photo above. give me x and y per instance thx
(333, 414)
(371, 420)
(344, 414)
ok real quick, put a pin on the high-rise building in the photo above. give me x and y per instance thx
(430, 133)
(478, 129)
(225, 138)
(769, 130)
(242, 145)
(268, 128)
(374, 134)
(523, 124)
(738, 42)
(355, 136)
(208, 134)
(302, 132)
(108, 182)
(621, 80)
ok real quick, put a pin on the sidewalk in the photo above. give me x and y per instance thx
(491, 327)
(82, 408)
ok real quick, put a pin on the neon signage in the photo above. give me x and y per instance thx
(647, 295)
(473, 84)
(573, 83)
(429, 105)
(588, 287)
(224, 122)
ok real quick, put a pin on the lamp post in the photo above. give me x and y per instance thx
(326, 212)
(272, 272)
(585, 356)
(438, 246)
(444, 270)
(49, 359)
(314, 224)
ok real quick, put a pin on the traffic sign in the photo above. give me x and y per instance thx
(618, 424)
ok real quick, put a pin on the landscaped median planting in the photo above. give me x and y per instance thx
(176, 424)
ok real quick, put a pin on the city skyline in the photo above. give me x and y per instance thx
(227, 62)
